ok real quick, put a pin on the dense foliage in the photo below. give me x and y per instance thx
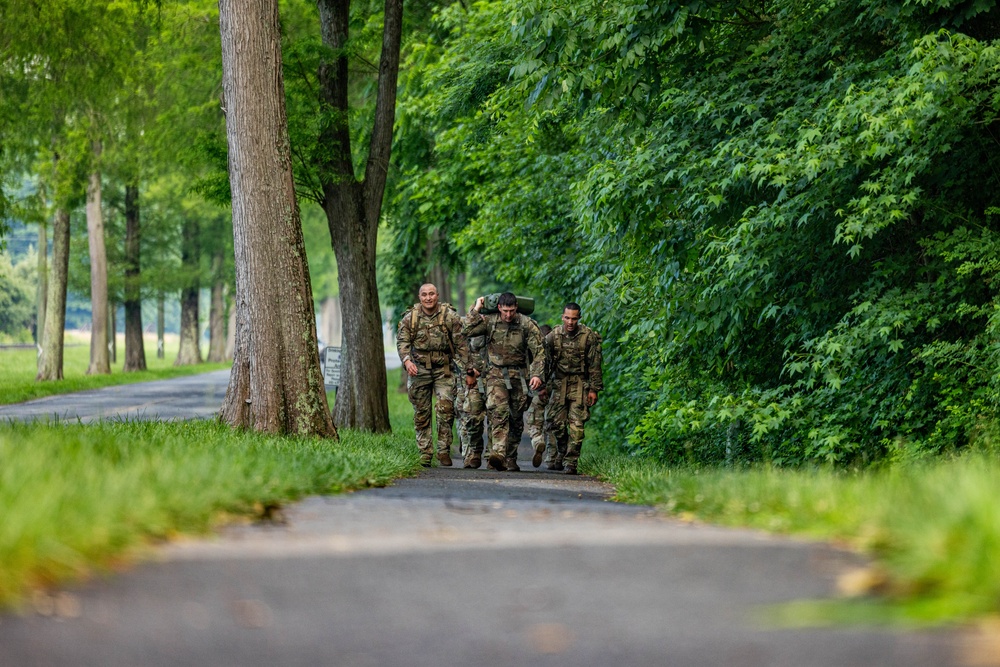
(779, 214)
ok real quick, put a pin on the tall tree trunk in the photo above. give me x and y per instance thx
(332, 321)
(50, 362)
(353, 209)
(231, 332)
(99, 362)
(42, 293)
(217, 313)
(460, 298)
(275, 385)
(160, 317)
(113, 331)
(135, 351)
(189, 350)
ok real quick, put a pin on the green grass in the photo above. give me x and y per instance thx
(933, 529)
(19, 367)
(79, 499)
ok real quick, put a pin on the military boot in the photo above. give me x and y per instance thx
(536, 460)
(511, 464)
(570, 469)
(473, 461)
(496, 462)
(555, 465)
(444, 458)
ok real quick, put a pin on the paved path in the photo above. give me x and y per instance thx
(464, 567)
(192, 397)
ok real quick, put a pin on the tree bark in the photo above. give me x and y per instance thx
(189, 350)
(99, 362)
(217, 314)
(43, 276)
(50, 361)
(275, 385)
(135, 352)
(353, 209)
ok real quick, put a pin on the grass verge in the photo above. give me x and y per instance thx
(79, 499)
(19, 367)
(933, 528)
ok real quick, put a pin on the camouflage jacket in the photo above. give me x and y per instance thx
(579, 354)
(518, 344)
(432, 340)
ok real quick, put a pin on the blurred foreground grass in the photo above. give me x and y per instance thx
(78, 499)
(18, 368)
(933, 528)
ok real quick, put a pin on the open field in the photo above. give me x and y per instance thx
(78, 500)
(933, 528)
(18, 368)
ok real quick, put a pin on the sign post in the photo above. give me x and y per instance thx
(331, 367)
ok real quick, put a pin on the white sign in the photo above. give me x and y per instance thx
(331, 366)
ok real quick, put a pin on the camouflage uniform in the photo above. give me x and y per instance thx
(432, 342)
(540, 442)
(574, 370)
(508, 348)
(471, 406)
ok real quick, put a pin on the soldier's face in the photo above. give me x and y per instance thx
(570, 319)
(507, 313)
(428, 297)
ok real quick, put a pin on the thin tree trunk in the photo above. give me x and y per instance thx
(113, 331)
(189, 352)
(135, 351)
(160, 325)
(275, 385)
(43, 276)
(353, 209)
(231, 332)
(50, 362)
(99, 363)
(217, 314)
(461, 299)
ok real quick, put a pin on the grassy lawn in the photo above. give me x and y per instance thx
(79, 499)
(19, 367)
(933, 529)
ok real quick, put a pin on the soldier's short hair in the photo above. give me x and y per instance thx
(572, 305)
(507, 299)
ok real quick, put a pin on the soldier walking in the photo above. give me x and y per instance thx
(537, 429)
(574, 379)
(470, 403)
(511, 340)
(430, 345)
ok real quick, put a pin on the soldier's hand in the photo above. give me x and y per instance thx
(470, 380)
(543, 394)
(480, 302)
(535, 383)
(411, 368)
(591, 398)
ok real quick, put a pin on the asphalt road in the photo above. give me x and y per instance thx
(192, 397)
(467, 567)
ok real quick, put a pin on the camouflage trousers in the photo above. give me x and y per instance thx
(471, 409)
(568, 412)
(538, 429)
(438, 382)
(505, 410)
